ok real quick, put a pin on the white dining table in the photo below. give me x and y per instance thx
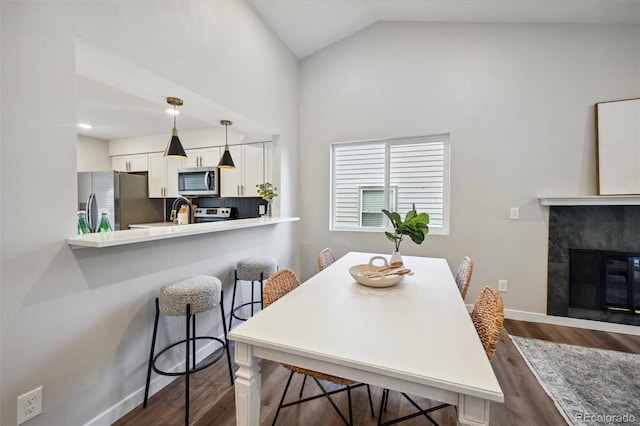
(415, 337)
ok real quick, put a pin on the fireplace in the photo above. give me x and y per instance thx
(604, 280)
(594, 254)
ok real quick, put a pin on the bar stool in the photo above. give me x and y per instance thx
(251, 269)
(187, 298)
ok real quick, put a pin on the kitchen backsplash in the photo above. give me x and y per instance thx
(247, 207)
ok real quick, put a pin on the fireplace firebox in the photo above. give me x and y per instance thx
(604, 280)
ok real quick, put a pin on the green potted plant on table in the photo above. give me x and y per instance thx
(267, 191)
(415, 225)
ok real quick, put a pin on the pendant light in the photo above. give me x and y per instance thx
(174, 147)
(226, 162)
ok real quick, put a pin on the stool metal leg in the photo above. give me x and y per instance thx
(193, 344)
(153, 345)
(261, 290)
(226, 341)
(186, 398)
(253, 298)
(233, 297)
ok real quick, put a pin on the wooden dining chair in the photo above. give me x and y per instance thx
(326, 258)
(463, 276)
(487, 317)
(278, 285)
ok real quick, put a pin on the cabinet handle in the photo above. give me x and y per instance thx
(242, 189)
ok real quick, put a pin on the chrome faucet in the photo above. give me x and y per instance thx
(174, 206)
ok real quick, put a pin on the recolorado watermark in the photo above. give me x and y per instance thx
(587, 418)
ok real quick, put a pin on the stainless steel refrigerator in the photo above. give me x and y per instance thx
(125, 196)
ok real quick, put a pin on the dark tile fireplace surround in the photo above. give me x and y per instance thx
(603, 240)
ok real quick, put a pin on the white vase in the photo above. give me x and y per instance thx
(395, 257)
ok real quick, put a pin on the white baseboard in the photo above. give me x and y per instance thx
(118, 410)
(569, 322)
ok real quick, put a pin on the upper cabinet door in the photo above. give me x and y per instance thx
(130, 163)
(253, 168)
(173, 164)
(193, 158)
(202, 157)
(157, 175)
(249, 171)
(138, 163)
(163, 176)
(120, 163)
(210, 156)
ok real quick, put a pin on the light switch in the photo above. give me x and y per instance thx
(514, 213)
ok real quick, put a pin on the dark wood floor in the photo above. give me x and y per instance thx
(212, 396)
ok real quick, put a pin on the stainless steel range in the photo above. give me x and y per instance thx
(214, 214)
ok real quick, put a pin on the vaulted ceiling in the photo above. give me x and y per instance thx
(307, 26)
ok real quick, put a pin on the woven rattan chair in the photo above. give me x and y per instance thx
(463, 277)
(278, 285)
(326, 258)
(487, 317)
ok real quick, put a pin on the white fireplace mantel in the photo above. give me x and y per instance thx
(591, 200)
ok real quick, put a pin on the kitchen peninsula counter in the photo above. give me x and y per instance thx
(141, 235)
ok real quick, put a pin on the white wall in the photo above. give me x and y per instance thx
(79, 322)
(518, 101)
(93, 154)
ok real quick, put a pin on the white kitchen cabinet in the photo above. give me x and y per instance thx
(249, 171)
(163, 176)
(253, 168)
(130, 163)
(202, 157)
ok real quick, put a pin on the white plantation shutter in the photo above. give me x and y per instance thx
(412, 170)
(355, 166)
(417, 170)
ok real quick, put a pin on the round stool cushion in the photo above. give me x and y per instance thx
(249, 269)
(202, 292)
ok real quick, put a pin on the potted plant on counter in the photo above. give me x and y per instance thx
(267, 191)
(415, 225)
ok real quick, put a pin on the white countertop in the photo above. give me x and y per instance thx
(152, 225)
(140, 235)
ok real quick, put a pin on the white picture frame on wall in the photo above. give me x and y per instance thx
(618, 147)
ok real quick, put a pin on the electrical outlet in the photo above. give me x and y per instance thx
(29, 405)
(502, 286)
(514, 213)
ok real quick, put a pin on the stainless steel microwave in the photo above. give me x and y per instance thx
(198, 181)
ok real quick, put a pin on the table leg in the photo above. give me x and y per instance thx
(247, 386)
(473, 411)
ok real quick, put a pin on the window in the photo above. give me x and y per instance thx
(393, 174)
(371, 205)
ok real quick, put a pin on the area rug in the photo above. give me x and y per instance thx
(589, 386)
